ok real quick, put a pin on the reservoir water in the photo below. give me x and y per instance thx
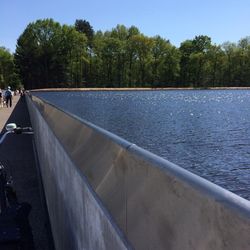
(204, 131)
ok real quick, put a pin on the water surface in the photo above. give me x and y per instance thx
(204, 131)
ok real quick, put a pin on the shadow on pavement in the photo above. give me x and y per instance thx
(19, 114)
(18, 153)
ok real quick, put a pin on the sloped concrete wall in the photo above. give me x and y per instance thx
(155, 203)
(78, 218)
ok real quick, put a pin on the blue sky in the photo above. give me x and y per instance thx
(176, 20)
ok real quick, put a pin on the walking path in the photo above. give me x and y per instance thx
(17, 153)
(6, 112)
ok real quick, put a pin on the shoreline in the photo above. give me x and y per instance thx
(136, 89)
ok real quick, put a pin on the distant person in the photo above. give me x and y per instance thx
(22, 92)
(8, 97)
(1, 98)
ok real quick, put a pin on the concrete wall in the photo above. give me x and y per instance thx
(156, 204)
(78, 218)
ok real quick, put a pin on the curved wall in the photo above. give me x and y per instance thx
(95, 180)
(78, 218)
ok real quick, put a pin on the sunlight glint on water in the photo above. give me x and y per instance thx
(204, 131)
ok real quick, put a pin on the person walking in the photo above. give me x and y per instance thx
(8, 97)
(1, 98)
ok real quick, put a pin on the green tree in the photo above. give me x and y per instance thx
(130, 48)
(73, 48)
(49, 54)
(109, 55)
(121, 34)
(114, 56)
(142, 47)
(229, 67)
(165, 63)
(84, 27)
(199, 60)
(243, 62)
(216, 61)
(194, 60)
(201, 44)
(8, 74)
(171, 66)
(186, 49)
(159, 51)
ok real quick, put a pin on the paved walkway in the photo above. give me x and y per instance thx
(18, 152)
(6, 112)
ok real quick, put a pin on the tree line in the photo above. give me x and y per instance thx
(49, 54)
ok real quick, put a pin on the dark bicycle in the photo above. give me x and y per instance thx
(15, 231)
